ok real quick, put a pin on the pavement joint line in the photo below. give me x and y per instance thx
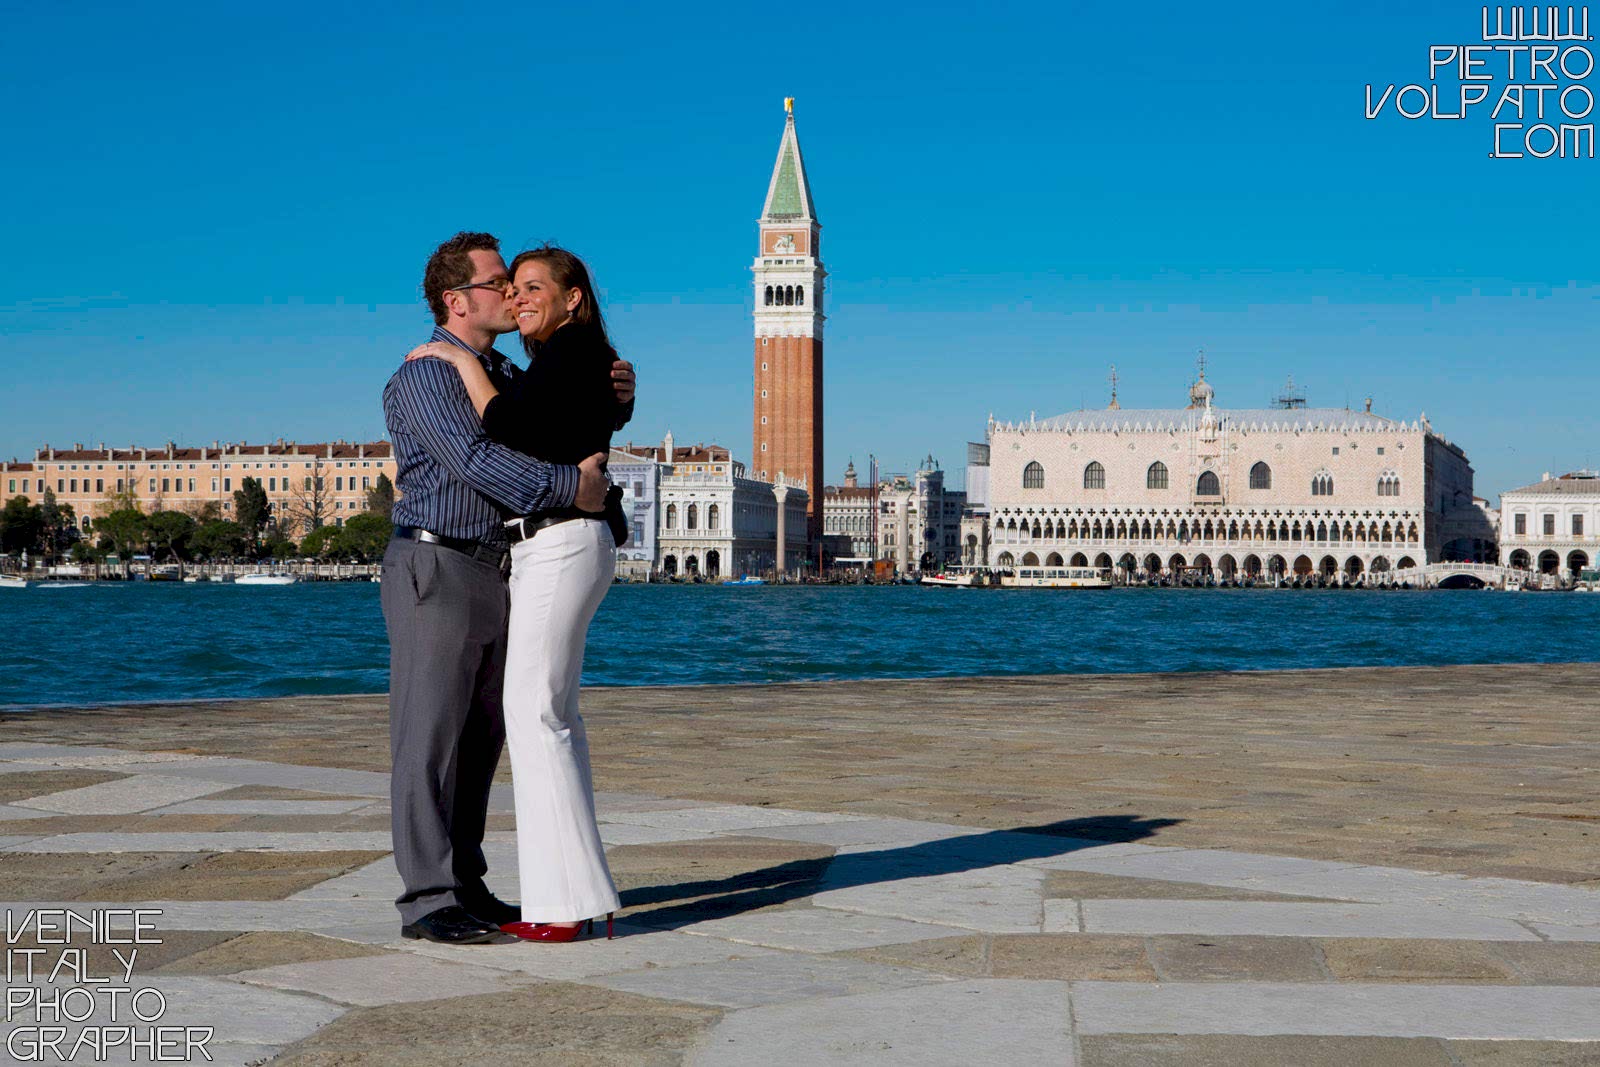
(1534, 930)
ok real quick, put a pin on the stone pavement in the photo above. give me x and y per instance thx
(845, 931)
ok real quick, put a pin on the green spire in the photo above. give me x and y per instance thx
(789, 194)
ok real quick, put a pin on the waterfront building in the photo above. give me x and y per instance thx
(919, 520)
(717, 522)
(1287, 490)
(325, 482)
(848, 532)
(639, 476)
(786, 442)
(1553, 525)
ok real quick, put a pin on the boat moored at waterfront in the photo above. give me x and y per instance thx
(265, 579)
(957, 578)
(1057, 578)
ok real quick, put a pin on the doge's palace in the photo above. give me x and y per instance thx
(1262, 491)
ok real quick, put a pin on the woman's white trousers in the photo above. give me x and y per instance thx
(558, 578)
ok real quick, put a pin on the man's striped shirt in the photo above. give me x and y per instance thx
(453, 480)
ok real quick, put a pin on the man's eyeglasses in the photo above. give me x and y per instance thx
(502, 286)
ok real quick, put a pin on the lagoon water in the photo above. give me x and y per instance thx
(144, 641)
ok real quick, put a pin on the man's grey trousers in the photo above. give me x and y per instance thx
(446, 617)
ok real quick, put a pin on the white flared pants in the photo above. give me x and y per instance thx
(558, 578)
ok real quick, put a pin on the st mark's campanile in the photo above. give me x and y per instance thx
(788, 320)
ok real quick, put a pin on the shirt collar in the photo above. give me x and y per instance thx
(491, 359)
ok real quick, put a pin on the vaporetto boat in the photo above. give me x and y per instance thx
(1057, 578)
(265, 579)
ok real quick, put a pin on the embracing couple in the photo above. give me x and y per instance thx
(501, 472)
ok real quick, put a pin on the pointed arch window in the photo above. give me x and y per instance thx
(1388, 484)
(1208, 485)
(1261, 476)
(1033, 476)
(1156, 476)
(1322, 484)
(1094, 476)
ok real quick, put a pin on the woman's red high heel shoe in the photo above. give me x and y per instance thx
(556, 934)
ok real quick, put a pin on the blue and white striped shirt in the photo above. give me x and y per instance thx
(453, 480)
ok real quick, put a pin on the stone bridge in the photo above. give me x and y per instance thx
(1435, 574)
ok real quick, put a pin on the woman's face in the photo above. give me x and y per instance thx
(539, 303)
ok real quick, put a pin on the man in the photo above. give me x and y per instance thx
(444, 594)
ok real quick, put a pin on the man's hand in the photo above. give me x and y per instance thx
(592, 484)
(623, 380)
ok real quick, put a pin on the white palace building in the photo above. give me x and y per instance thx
(1291, 490)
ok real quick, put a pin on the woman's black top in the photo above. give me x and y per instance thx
(564, 408)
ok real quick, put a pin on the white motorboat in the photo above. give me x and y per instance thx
(953, 578)
(13, 581)
(265, 579)
(1057, 578)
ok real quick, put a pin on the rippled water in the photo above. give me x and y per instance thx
(171, 641)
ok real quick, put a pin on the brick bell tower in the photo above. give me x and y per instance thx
(788, 319)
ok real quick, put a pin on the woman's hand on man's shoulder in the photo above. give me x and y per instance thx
(435, 350)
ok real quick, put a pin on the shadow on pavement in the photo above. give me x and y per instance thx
(679, 904)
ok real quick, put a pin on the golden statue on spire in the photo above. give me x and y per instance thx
(788, 105)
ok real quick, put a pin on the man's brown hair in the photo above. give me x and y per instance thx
(450, 266)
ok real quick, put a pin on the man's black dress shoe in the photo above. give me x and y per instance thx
(492, 910)
(453, 925)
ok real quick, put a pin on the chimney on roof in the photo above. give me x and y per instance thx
(144, 453)
(1545, 477)
(361, 451)
(172, 448)
(330, 451)
(50, 451)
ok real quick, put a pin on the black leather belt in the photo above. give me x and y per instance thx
(479, 550)
(525, 526)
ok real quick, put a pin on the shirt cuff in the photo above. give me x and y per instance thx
(563, 485)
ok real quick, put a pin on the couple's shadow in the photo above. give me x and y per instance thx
(669, 906)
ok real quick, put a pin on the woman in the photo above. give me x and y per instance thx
(563, 411)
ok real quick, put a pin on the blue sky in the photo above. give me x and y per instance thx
(217, 224)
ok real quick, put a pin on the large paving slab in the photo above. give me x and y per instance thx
(1225, 917)
(817, 929)
(125, 796)
(769, 979)
(953, 1025)
(218, 841)
(264, 807)
(1475, 1012)
(232, 914)
(713, 818)
(368, 981)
